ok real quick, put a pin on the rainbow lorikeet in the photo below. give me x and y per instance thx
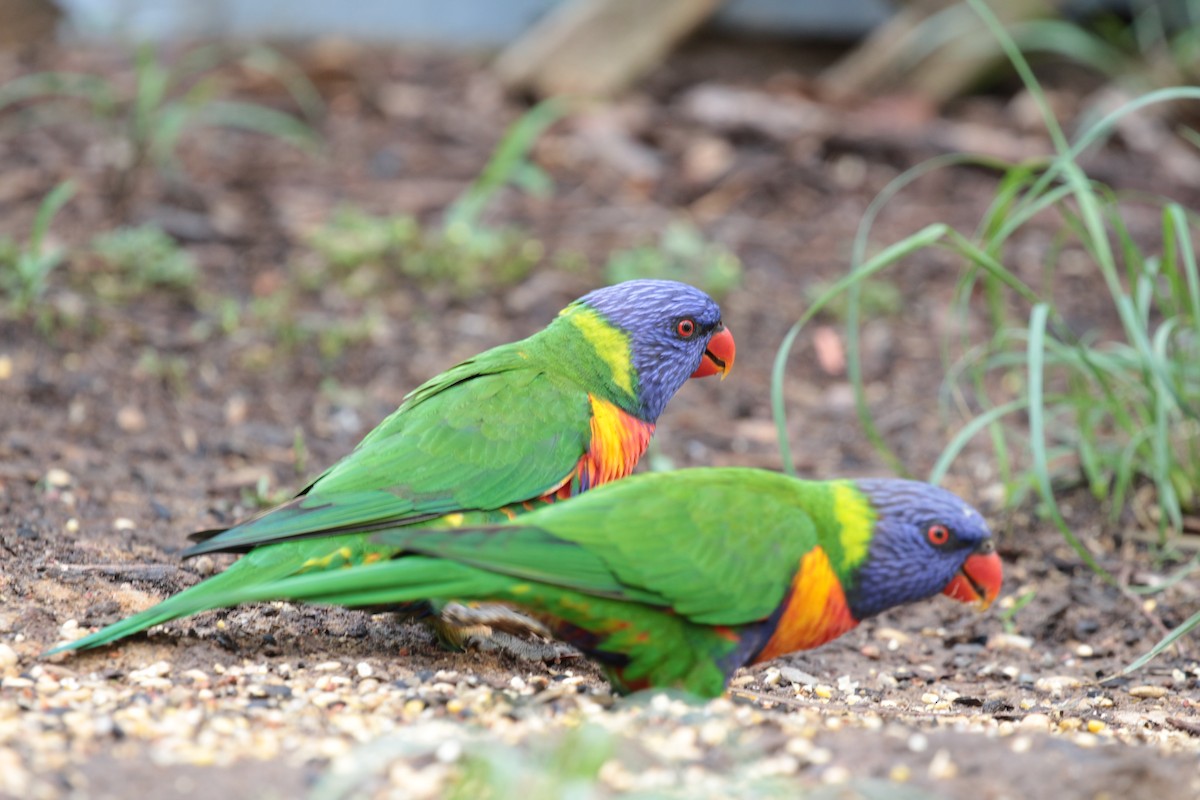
(677, 579)
(518, 426)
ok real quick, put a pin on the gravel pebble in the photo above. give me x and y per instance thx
(1057, 684)
(438, 721)
(8, 657)
(1008, 641)
(58, 478)
(942, 766)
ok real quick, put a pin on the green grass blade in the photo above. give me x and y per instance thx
(1175, 635)
(1021, 65)
(45, 85)
(49, 208)
(1037, 436)
(507, 160)
(968, 432)
(923, 238)
(1177, 233)
(258, 119)
(1070, 40)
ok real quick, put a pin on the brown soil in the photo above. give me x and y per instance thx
(163, 424)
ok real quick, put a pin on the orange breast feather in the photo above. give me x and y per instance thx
(816, 609)
(618, 442)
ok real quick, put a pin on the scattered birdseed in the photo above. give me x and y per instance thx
(942, 766)
(1057, 684)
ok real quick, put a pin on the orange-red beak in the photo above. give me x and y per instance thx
(718, 356)
(979, 579)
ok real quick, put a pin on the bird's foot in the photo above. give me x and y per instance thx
(494, 616)
(524, 649)
(496, 628)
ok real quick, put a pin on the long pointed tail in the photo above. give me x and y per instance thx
(260, 566)
(384, 583)
(263, 575)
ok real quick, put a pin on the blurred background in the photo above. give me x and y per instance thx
(233, 235)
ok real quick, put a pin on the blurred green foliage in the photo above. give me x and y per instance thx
(681, 254)
(144, 125)
(1159, 46)
(1112, 406)
(26, 266)
(133, 261)
(463, 253)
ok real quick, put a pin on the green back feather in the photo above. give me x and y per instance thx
(501, 428)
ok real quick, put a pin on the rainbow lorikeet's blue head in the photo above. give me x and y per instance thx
(671, 331)
(925, 540)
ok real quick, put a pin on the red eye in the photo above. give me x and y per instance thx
(686, 328)
(938, 535)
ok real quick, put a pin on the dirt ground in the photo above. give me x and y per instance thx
(147, 419)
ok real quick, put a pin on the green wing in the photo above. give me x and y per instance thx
(642, 571)
(663, 539)
(496, 430)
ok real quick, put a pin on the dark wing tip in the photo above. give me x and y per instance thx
(205, 535)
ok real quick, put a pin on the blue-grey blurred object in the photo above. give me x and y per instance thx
(466, 23)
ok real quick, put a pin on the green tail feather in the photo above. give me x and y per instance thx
(660, 647)
(259, 567)
(386, 583)
(648, 643)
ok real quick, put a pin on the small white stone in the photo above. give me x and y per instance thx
(58, 478)
(449, 751)
(1057, 684)
(797, 676)
(819, 756)
(1009, 641)
(124, 524)
(131, 419)
(942, 767)
(713, 733)
(326, 699)
(159, 669)
(364, 669)
(835, 775)
(1035, 722)
(8, 657)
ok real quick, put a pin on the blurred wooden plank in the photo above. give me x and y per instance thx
(894, 58)
(24, 23)
(598, 47)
